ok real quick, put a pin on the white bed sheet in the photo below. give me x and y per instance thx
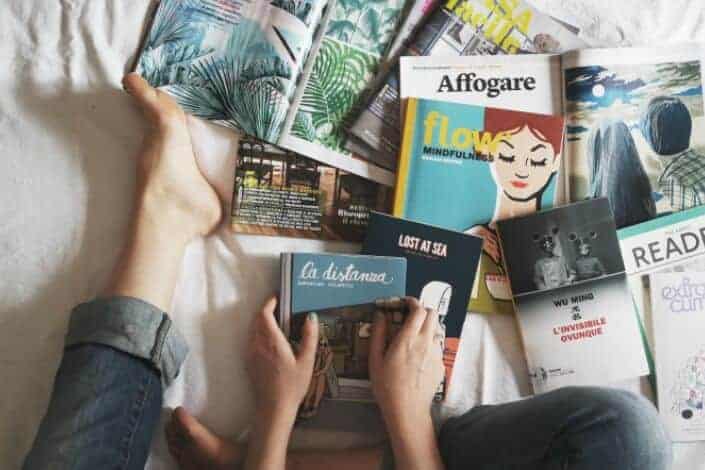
(69, 135)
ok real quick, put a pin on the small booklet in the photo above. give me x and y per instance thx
(571, 297)
(287, 72)
(465, 167)
(344, 291)
(456, 28)
(679, 322)
(674, 242)
(441, 266)
(281, 193)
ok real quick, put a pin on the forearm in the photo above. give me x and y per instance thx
(414, 443)
(150, 263)
(268, 443)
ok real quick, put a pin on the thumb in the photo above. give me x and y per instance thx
(378, 341)
(145, 95)
(309, 341)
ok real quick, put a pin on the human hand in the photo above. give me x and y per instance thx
(491, 244)
(171, 187)
(280, 377)
(406, 376)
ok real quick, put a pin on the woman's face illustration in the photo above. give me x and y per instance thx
(522, 164)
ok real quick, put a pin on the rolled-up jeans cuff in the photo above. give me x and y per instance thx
(133, 326)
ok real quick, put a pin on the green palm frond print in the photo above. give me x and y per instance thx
(338, 76)
(257, 106)
(367, 24)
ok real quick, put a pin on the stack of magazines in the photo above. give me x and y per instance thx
(568, 178)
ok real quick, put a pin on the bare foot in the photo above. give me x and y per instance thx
(195, 447)
(169, 177)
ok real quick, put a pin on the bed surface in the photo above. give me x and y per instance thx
(69, 135)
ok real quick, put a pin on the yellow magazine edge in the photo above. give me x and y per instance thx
(404, 157)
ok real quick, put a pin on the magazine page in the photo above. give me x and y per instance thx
(679, 320)
(281, 193)
(674, 242)
(459, 27)
(234, 62)
(418, 11)
(356, 35)
(480, 165)
(571, 297)
(635, 129)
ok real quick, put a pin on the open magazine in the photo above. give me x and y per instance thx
(633, 117)
(456, 28)
(286, 72)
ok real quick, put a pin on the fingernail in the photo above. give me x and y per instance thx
(312, 316)
(389, 302)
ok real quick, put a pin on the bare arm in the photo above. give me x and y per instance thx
(404, 379)
(280, 380)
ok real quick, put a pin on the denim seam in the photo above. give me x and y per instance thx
(162, 332)
(135, 414)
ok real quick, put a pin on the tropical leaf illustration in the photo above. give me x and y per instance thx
(338, 76)
(256, 106)
(299, 8)
(369, 25)
(303, 126)
(171, 23)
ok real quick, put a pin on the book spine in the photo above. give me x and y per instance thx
(285, 296)
(404, 158)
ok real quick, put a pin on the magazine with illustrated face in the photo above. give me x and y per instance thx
(571, 296)
(480, 165)
(679, 323)
(457, 28)
(286, 72)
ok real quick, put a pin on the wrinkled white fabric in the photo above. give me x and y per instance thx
(69, 135)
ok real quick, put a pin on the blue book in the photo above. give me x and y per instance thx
(342, 290)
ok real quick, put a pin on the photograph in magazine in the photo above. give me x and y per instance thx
(635, 135)
(281, 193)
(560, 248)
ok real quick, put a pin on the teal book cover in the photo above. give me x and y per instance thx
(342, 291)
(479, 165)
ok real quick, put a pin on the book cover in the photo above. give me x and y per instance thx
(279, 192)
(635, 129)
(674, 242)
(480, 165)
(679, 324)
(441, 267)
(458, 28)
(342, 291)
(571, 296)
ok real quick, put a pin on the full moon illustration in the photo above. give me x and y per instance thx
(598, 90)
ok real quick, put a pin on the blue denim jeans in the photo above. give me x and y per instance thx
(121, 352)
(107, 398)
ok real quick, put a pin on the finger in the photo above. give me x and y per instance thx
(266, 316)
(430, 324)
(309, 341)
(378, 340)
(145, 95)
(414, 320)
